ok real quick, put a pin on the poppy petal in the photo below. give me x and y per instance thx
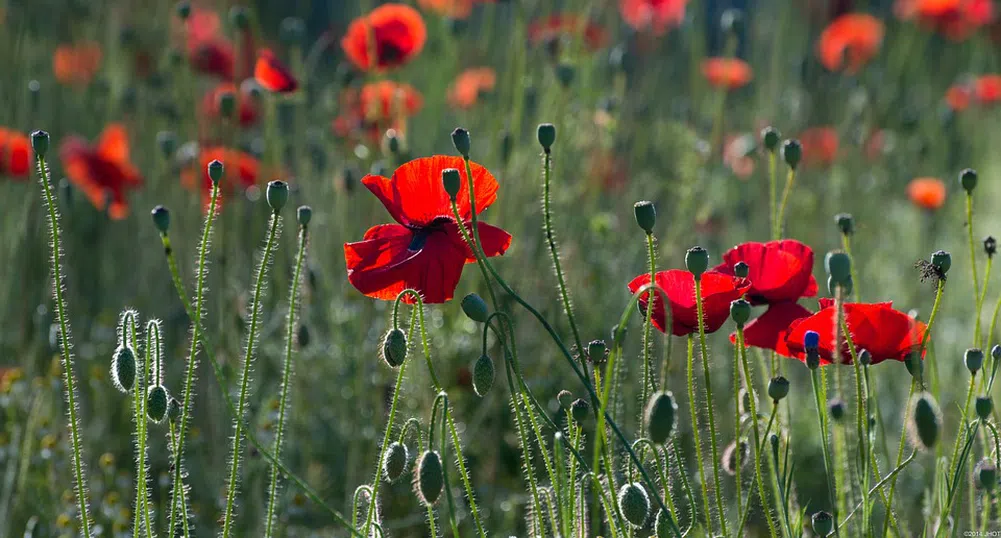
(114, 143)
(769, 330)
(272, 74)
(493, 240)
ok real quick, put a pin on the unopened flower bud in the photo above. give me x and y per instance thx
(303, 215)
(968, 180)
(161, 219)
(580, 409)
(697, 261)
(123, 369)
(395, 461)
(40, 142)
(741, 269)
(987, 474)
(394, 348)
(846, 223)
(452, 181)
(215, 171)
(990, 246)
(974, 359)
(634, 503)
(823, 523)
(771, 137)
(156, 403)
(926, 420)
(475, 308)
(483, 375)
(984, 406)
(547, 135)
(864, 357)
(430, 477)
(659, 417)
(646, 215)
(836, 407)
(792, 152)
(460, 139)
(277, 195)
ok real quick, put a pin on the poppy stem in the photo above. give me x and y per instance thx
(696, 437)
(780, 216)
(738, 414)
(648, 382)
(130, 338)
(772, 191)
(846, 244)
(704, 349)
(861, 413)
(824, 444)
(151, 361)
(973, 267)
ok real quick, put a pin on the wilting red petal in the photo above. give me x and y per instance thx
(779, 271)
(718, 291)
(398, 32)
(855, 35)
(104, 172)
(272, 74)
(769, 330)
(886, 333)
(727, 73)
(656, 16)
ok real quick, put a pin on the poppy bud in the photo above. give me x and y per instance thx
(735, 455)
(460, 139)
(646, 215)
(778, 388)
(173, 410)
(580, 409)
(547, 135)
(183, 9)
(634, 503)
(167, 142)
(394, 348)
(697, 261)
(452, 181)
(597, 351)
(864, 357)
(996, 352)
(659, 417)
(771, 138)
(839, 266)
(942, 261)
(123, 369)
(987, 474)
(823, 523)
(392, 142)
(732, 21)
(974, 359)
(215, 171)
(161, 219)
(239, 17)
(40, 142)
(740, 269)
(227, 103)
(740, 311)
(395, 461)
(619, 335)
(984, 407)
(773, 442)
(792, 152)
(483, 375)
(303, 215)
(926, 420)
(664, 524)
(744, 402)
(990, 246)
(836, 407)
(846, 223)
(565, 398)
(475, 308)
(430, 477)
(292, 30)
(565, 73)
(968, 179)
(277, 194)
(156, 403)
(812, 358)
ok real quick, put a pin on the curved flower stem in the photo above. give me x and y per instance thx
(780, 217)
(65, 346)
(450, 500)
(953, 484)
(709, 404)
(130, 337)
(758, 446)
(973, 267)
(286, 376)
(824, 445)
(755, 479)
(255, 310)
(696, 436)
(892, 475)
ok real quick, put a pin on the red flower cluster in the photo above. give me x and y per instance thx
(850, 41)
(103, 172)
(209, 52)
(956, 19)
(395, 33)
(656, 16)
(15, 154)
(984, 90)
(820, 146)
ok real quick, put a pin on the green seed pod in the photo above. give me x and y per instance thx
(565, 398)
(546, 134)
(845, 223)
(974, 360)
(697, 261)
(792, 152)
(778, 388)
(483, 375)
(771, 138)
(659, 417)
(646, 215)
(161, 218)
(580, 410)
(740, 312)
(156, 403)
(839, 266)
(740, 270)
(460, 139)
(430, 477)
(395, 461)
(123, 369)
(173, 410)
(597, 352)
(634, 503)
(968, 179)
(942, 261)
(836, 407)
(167, 142)
(926, 420)
(394, 348)
(303, 215)
(864, 357)
(452, 181)
(215, 171)
(987, 474)
(40, 142)
(475, 308)
(277, 194)
(823, 523)
(984, 407)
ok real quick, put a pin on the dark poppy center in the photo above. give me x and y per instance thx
(389, 54)
(421, 233)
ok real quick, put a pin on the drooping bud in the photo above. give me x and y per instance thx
(183, 10)
(475, 308)
(864, 357)
(792, 152)
(987, 474)
(836, 407)
(277, 195)
(697, 261)
(483, 375)
(735, 456)
(430, 477)
(771, 138)
(968, 180)
(156, 403)
(452, 181)
(846, 223)
(215, 171)
(161, 219)
(395, 461)
(926, 420)
(646, 215)
(40, 142)
(565, 398)
(740, 312)
(823, 523)
(659, 417)
(741, 269)
(173, 410)
(547, 135)
(634, 503)
(664, 525)
(123, 369)
(974, 360)
(942, 261)
(580, 410)
(460, 139)
(394, 348)
(984, 406)
(778, 388)
(996, 352)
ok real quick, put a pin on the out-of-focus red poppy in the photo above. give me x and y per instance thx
(958, 97)
(395, 33)
(240, 172)
(209, 52)
(927, 192)
(76, 63)
(886, 333)
(820, 146)
(554, 27)
(850, 41)
(987, 89)
(956, 19)
(727, 73)
(779, 271)
(606, 170)
(15, 154)
(377, 107)
(769, 330)
(656, 16)
(103, 172)
(718, 291)
(736, 155)
(272, 74)
(247, 110)
(454, 9)
(468, 86)
(425, 249)
(875, 144)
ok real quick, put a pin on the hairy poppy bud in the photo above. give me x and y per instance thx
(156, 403)
(915, 366)
(984, 407)
(183, 9)
(987, 474)
(634, 503)
(740, 311)
(836, 407)
(277, 194)
(597, 351)
(580, 409)
(215, 171)
(173, 410)
(792, 152)
(771, 138)
(394, 347)
(990, 246)
(942, 261)
(740, 269)
(303, 215)
(823, 523)
(161, 218)
(460, 139)
(430, 477)
(395, 461)
(846, 223)
(974, 359)
(392, 141)
(475, 308)
(452, 181)
(996, 352)
(735, 455)
(697, 261)
(839, 266)
(483, 375)
(123, 369)
(864, 357)
(239, 17)
(659, 417)
(778, 388)
(565, 398)
(547, 135)
(646, 215)
(968, 179)
(926, 420)
(40, 142)
(167, 142)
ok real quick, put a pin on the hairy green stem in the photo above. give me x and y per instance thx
(696, 436)
(973, 267)
(780, 217)
(717, 485)
(753, 398)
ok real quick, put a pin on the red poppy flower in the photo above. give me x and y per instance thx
(15, 154)
(103, 172)
(779, 271)
(272, 74)
(454, 9)
(718, 291)
(958, 97)
(769, 330)
(76, 64)
(820, 146)
(554, 27)
(927, 192)
(379, 106)
(877, 327)
(987, 89)
(856, 36)
(246, 109)
(727, 73)
(468, 86)
(209, 52)
(957, 19)
(425, 250)
(399, 34)
(240, 172)
(656, 16)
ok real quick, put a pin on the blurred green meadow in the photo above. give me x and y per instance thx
(636, 119)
